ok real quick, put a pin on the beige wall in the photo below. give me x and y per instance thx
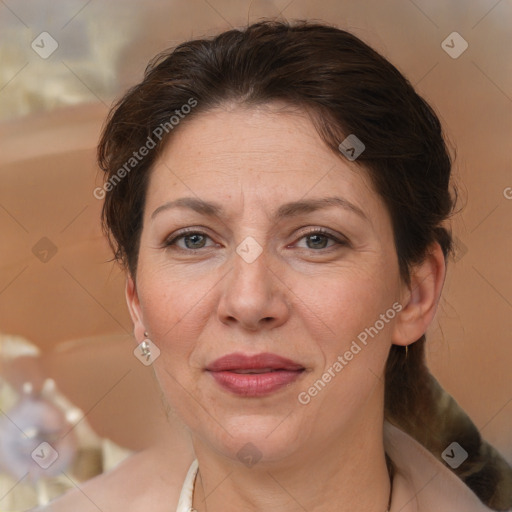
(52, 111)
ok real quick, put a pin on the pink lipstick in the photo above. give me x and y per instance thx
(256, 375)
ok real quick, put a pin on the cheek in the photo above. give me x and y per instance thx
(173, 308)
(348, 300)
(352, 341)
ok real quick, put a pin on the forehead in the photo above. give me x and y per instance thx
(270, 153)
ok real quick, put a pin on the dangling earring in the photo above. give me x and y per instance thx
(145, 348)
(146, 351)
(406, 350)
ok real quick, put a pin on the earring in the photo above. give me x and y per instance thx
(406, 350)
(144, 347)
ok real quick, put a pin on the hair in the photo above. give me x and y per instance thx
(346, 88)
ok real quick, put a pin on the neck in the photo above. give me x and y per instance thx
(344, 472)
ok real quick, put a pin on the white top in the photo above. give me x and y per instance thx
(185, 501)
(436, 487)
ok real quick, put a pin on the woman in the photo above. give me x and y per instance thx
(278, 198)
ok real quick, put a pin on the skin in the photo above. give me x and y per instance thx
(305, 298)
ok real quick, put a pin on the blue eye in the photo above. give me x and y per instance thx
(319, 236)
(196, 240)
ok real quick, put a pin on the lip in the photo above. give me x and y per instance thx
(270, 373)
(239, 361)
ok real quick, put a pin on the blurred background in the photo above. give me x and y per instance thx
(62, 308)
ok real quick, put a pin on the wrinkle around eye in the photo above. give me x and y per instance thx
(336, 242)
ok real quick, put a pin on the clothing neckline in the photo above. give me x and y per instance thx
(187, 491)
(185, 501)
(414, 463)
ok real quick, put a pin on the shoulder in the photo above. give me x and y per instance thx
(148, 480)
(424, 483)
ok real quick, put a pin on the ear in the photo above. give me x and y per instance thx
(133, 303)
(420, 298)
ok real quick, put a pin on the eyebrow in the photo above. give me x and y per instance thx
(286, 210)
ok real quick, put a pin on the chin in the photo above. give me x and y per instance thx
(256, 438)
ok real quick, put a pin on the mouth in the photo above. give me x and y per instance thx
(258, 363)
(256, 375)
(257, 370)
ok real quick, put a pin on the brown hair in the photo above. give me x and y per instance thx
(347, 88)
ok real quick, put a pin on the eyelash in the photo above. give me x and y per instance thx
(189, 232)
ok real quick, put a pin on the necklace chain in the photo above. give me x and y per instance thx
(389, 465)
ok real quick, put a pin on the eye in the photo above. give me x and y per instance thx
(319, 237)
(193, 240)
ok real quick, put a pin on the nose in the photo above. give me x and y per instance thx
(254, 295)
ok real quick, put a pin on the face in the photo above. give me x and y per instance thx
(269, 267)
